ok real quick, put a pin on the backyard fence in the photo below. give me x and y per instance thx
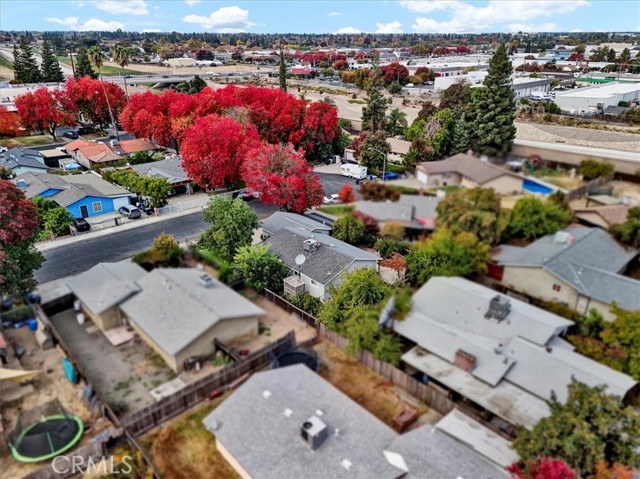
(584, 189)
(155, 414)
(291, 308)
(169, 209)
(95, 451)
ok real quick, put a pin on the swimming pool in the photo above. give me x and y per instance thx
(533, 186)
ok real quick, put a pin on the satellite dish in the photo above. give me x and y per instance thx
(300, 259)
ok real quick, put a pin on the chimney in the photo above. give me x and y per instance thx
(465, 361)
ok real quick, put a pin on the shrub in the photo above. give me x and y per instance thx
(307, 303)
(386, 247)
(592, 169)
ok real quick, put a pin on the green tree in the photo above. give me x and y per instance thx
(165, 249)
(282, 77)
(396, 122)
(611, 55)
(57, 221)
(592, 169)
(629, 231)
(18, 69)
(260, 269)
(475, 210)
(140, 157)
(625, 55)
(51, 71)
(440, 134)
(460, 138)
(121, 56)
(191, 87)
(456, 97)
(348, 229)
(83, 65)
(532, 218)
(19, 263)
(232, 224)
(373, 150)
(591, 426)
(359, 288)
(156, 189)
(447, 254)
(417, 128)
(374, 112)
(427, 110)
(27, 68)
(491, 111)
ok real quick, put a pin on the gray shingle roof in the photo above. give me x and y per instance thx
(174, 308)
(106, 285)
(322, 265)
(409, 210)
(266, 442)
(16, 157)
(586, 258)
(94, 182)
(468, 166)
(40, 182)
(281, 220)
(171, 169)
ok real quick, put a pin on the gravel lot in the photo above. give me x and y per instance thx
(578, 136)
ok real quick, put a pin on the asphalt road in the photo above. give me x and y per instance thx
(78, 257)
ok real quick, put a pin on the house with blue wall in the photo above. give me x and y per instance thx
(84, 196)
(23, 160)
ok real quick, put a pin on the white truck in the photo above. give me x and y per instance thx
(352, 170)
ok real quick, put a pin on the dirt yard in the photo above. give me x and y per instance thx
(374, 393)
(184, 449)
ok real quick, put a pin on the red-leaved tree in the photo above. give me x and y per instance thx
(318, 130)
(45, 110)
(282, 177)
(346, 194)
(89, 100)
(9, 123)
(543, 468)
(394, 72)
(614, 471)
(214, 149)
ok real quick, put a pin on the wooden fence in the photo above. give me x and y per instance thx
(291, 308)
(94, 450)
(155, 414)
(584, 189)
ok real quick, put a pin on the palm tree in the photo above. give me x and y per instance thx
(396, 122)
(97, 60)
(121, 56)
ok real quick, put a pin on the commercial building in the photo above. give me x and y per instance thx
(597, 98)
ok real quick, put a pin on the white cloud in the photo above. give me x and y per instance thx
(91, 25)
(529, 27)
(224, 20)
(151, 30)
(427, 6)
(334, 14)
(392, 27)
(128, 7)
(347, 30)
(192, 2)
(466, 17)
(576, 30)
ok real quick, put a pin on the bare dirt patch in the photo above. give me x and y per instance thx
(374, 393)
(184, 449)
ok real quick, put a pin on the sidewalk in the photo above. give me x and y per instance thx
(190, 204)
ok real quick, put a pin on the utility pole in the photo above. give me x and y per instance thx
(73, 68)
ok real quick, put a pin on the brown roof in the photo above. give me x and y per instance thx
(466, 165)
(77, 144)
(401, 147)
(138, 144)
(93, 149)
(104, 157)
(611, 214)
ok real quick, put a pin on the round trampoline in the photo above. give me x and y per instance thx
(306, 357)
(44, 433)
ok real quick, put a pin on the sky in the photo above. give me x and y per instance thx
(310, 16)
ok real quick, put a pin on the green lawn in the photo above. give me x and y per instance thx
(357, 102)
(337, 210)
(4, 61)
(26, 141)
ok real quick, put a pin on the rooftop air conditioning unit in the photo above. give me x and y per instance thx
(114, 143)
(314, 432)
(206, 280)
(499, 308)
(310, 245)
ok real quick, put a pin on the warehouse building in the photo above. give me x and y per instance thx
(597, 98)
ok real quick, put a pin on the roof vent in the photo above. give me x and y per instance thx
(22, 184)
(288, 412)
(499, 308)
(310, 245)
(314, 432)
(562, 237)
(266, 394)
(206, 280)
(346, 464)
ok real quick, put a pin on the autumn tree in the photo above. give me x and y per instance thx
(491, 112)
(260, 268)
(214, 149)
(590, 426)
(318, 130)
(92, 101)
(544, 468)
(9, 123)
(165, 249)
(394, 73)
(378, 191)
(475, 210)
(232, 224)
(18, 226)
(447, 254)
(427, 110)
(346, 194)
(456, 97)
(45, 110)
(532, 217)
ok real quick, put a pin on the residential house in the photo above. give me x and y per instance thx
(290, 422)
(90, 153)
(281, 220)
(169, 169)
(417, 213)
(468, 171)
(23, 160)
(602, 216)
(126, 147)
(82, 195)
(326, 259)
(578, 266)
(52, 157)
(503, 355)
(399, 148)
(177, 311)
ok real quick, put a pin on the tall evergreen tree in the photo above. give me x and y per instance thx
(460, 142)
(375, 111)
(51, 71)
(83, 65)
(18, 69)
(283, 72)
(29, 72)
(492, 111)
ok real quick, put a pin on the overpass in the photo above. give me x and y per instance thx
(159, 79)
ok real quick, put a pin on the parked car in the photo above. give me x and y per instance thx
(72, 134)
(85, 130)
(331, 199)
(390, 175)
(80, 224)
(130, 212)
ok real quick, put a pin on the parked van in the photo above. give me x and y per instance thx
(353, 171)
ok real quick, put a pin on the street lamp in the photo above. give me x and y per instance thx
(384, 164)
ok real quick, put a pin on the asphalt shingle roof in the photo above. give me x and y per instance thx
(281, 220)
(171, 169)
(466, 165)
(26, 157)
(40, 182)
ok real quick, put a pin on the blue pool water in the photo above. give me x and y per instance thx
(535, 187)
